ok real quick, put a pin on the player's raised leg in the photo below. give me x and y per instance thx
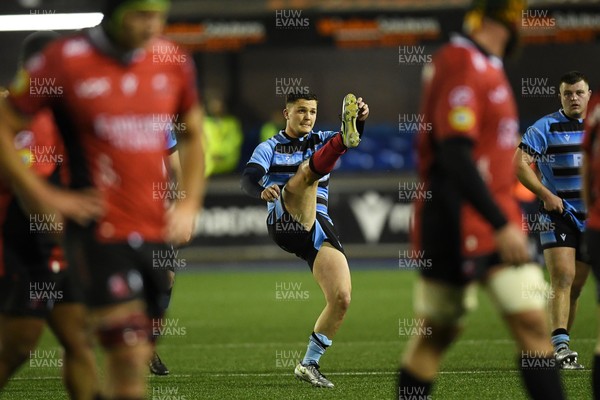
(299, 194)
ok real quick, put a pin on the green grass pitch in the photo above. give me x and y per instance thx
(238, 334)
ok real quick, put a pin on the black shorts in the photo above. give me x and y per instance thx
(113, 273)
(561, 232)
(459, 272)
(33, 278)
(294, 238)
(592, 250)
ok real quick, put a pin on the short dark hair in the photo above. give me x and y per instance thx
(291, 98)
(572, 77)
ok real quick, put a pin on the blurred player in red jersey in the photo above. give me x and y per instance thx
(469, 228)
(34, 287)
(112, 88)
(590, 174)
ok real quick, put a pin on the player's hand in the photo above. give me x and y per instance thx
(181, 220)
(553, 203)
(82, 206)
(512, 245)
(271, 193)
(363, 109)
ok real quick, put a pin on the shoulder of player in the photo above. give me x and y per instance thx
(75, 45)
(453, 56)
(544, 123)
(323, 135)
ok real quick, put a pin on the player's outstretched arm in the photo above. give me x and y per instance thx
(530, 180)
(181, 217)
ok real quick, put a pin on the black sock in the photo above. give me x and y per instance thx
(559, 331)
(541, 378)
(409, 386)
(596, 377)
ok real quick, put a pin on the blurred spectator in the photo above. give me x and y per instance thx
(224, 137)
(272, 127)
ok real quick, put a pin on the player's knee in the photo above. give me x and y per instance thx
(308, 175)
(342, 300)
(440, 337)
(443, 305)
(131, 331)
(563, 278)
(519, 289)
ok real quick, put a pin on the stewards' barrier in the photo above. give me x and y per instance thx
(371, 213)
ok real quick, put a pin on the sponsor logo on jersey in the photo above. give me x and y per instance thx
(93, 87)
(460, 95)
(462, 119)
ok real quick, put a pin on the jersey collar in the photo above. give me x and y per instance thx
(285, 135)
(466, 41)
(562, 112)
(100, 40)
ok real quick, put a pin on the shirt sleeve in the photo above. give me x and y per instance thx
(534, 141)
(456, 109)
(263, 155)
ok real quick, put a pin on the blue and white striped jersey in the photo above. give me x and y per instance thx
(555, 143)
(280, 157)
